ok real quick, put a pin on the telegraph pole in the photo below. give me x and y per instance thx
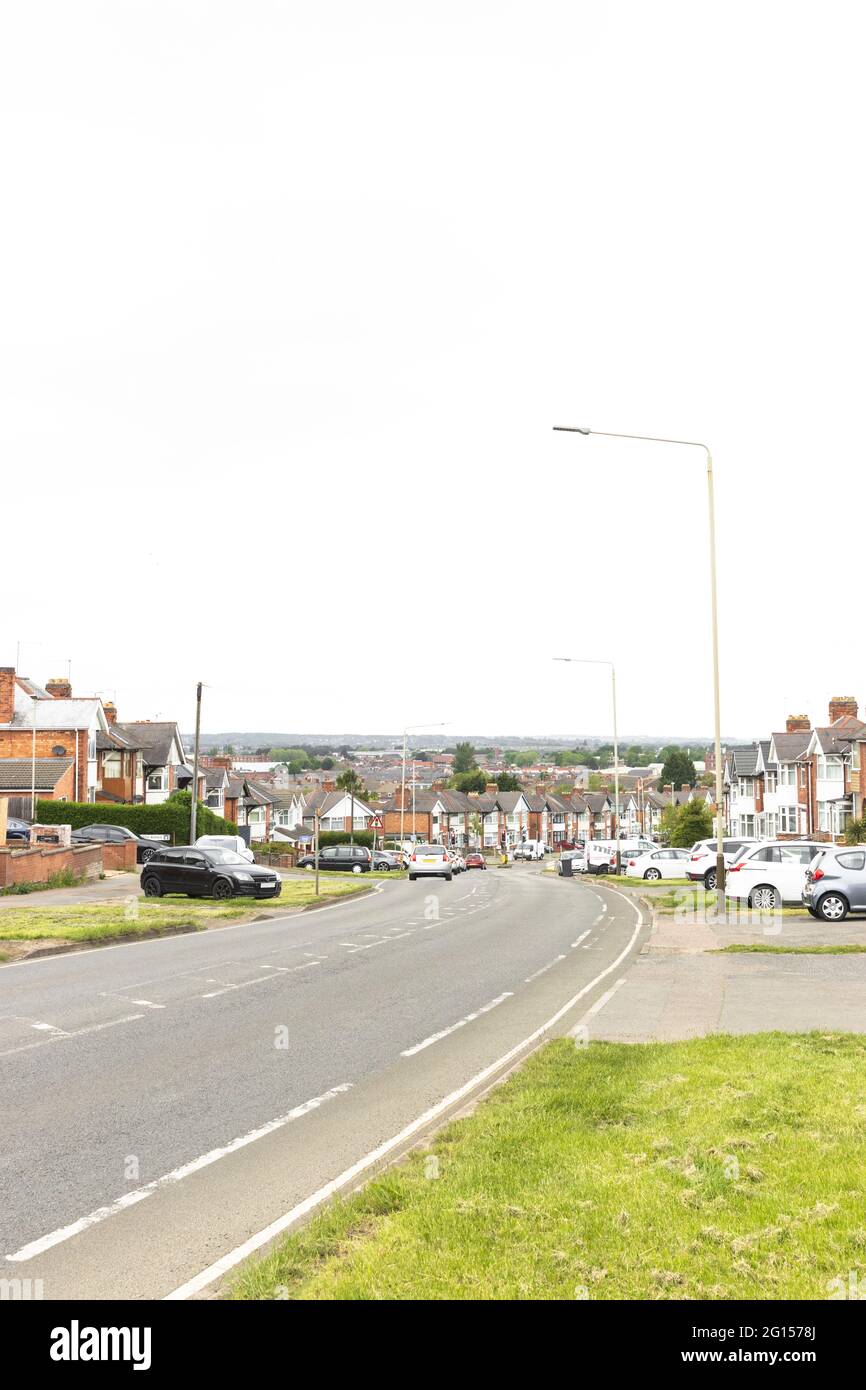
(193, 807)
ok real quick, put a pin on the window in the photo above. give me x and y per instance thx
(771, 855)
(746, 786)
(156, 781)
(787, 820)
(787, 775)
(772, 781)
(852, 861)
(830, 769)
(797, 854)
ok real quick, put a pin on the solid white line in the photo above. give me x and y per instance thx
(597, 1007)
(38, 1247)
(290, 1218)
(461, 1023)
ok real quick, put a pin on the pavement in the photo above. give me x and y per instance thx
(166, 1101)
(115, 887)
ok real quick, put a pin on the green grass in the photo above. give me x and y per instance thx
(697, 899)
(723, 1168)
(64, 879)
(643, 884)
(141, 916)
(760, 948)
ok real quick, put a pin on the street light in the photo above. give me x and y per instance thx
(589, 661)
(406, 731)
(693, 444)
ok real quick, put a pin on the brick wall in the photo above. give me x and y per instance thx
(38, 865)
(120, 857)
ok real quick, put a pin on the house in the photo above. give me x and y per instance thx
(119, 763)
(65, 728)
(743, 783)
(832, 753)
(52, 778)
(161, 748)
(786, 781)
(334, 809)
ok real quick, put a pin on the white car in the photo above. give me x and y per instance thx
(458, 863)
(231, 842)
(771, 874)
(659, 863)
(702, 860)
(430, 861)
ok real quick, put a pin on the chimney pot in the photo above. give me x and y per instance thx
(797, 723)
(59, 688)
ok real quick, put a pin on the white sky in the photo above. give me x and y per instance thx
(293, 294)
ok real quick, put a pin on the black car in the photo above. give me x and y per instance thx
(115, 835)
(17, 829)
(349, 858)
(207, 873)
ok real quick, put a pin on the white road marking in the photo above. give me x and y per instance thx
(141, 1003)
(384, 942)
(50, 1028)
(582, 937)
(245, 984)
(597, 1007)
(461, 1023)
(38, 1247)
(543, 970)
(316, 1199)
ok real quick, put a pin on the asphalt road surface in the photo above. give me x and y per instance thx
(162, 1103)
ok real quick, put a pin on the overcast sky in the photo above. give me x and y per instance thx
(293, 294)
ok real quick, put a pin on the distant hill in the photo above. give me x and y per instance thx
(247, 739)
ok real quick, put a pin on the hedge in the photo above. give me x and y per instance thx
(340, 837)
(168, 818)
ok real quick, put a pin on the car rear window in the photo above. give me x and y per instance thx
(856, 860)
(431, 849)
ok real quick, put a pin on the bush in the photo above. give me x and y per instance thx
(169, 818)
(341, 837)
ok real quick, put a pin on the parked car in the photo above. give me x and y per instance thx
(17, 829)
(115, 835)
(768, 875)
(347, 859)
(384, 860)
(702, 861)
(427, 860)
(657, 863)
(836, 882)
(577, 857)
(236, 843)
(529, 849)
(475, 860)
(458, 861)
(206, 873)
(600, 855)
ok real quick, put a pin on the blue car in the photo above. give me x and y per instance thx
(17, 829)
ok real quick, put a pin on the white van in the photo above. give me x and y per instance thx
(529, 849)
(601, 854)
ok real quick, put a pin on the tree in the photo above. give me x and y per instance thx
(686, 824)
(679, 769)
(464, 758)
(472, 781)
(350, 782)
(526, 757)
(855, 832)
(507, 782)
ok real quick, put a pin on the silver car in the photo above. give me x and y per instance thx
(836, 882)
(430, 860)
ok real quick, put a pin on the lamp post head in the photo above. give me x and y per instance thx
(573, 429)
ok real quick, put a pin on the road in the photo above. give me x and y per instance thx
(165, 1101)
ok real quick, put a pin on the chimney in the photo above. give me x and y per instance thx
(110, 711)
(329, 786)
(59, 688)
(222, 762)
(399, 800)
(798, 723)
(842, 705)
(540, 789)
(491, 789)
(7, 694)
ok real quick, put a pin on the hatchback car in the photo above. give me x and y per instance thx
(17, 829)
(115, 835)
(206, 873)
(475, 860)
(347, 859)
(658, 863)
(430, 860)
(384, 860)
(768, 875)
(836, 882)
(458, 863)
(702, 861)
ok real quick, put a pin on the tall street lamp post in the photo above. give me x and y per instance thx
(588, 661)
(693, 444)
(407, 730)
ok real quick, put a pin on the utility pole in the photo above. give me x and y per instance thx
(193, 806)
(316, 819)
(33, 770)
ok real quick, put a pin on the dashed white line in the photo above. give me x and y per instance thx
(461, 1023)
(37, 1247)
(543, 970)
(582, 937)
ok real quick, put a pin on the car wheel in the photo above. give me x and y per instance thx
(710, 880)
(309, 867)
(448, 878)
(812, 913)
(147, 855)
(653, 873)
(152, 888)
(222, 889)
(412, 878)
(833, 907)
(384, 868)
(764, 897)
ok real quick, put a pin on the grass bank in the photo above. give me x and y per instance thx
(140, 916)
(758, 948)
(720, 1168)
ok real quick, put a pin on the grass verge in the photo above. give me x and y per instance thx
(724, 1167)
(759, 948)
(140, 916)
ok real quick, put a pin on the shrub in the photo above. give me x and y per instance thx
(342, 837)
(169, 818)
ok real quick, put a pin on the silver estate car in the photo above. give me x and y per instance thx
(432, 860)
(836, 882)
